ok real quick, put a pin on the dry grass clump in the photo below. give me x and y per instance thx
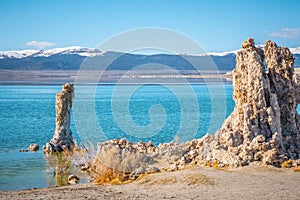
(83, 155)
(117, 162)
(97, 171)
(287, 164)
(215, 164)
(108, 175)
(125, 160)
(297, 169)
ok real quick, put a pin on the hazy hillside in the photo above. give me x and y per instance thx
(124, 62)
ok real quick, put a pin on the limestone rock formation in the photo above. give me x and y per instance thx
(264, 125)
(284, 83)
(62, 138)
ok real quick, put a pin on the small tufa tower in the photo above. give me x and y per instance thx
(62, 138)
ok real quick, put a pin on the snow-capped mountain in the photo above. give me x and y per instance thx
(90, 52)
(71, 58)
(76, 50)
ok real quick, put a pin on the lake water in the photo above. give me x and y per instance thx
(151, 112)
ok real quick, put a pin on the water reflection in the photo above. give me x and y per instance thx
(61, 166)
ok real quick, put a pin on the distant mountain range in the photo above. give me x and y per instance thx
(71, 58)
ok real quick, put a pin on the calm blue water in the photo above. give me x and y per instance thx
(28, 116)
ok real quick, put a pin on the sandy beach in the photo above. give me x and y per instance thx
(196, 182)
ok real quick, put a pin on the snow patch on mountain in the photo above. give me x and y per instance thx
(16, 54)
(221, 53)
(82, 51)
(295, 50)
(212, 53)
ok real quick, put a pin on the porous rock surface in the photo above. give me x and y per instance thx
(264, 125)
(62, 138)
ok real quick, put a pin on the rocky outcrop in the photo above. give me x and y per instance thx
(62, 138)
(33, 147)
(264, 125)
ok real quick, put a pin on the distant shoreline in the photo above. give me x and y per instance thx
(111, 77)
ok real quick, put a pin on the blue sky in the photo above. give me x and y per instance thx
(216, 25)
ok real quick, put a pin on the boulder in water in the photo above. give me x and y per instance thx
(33, 147)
